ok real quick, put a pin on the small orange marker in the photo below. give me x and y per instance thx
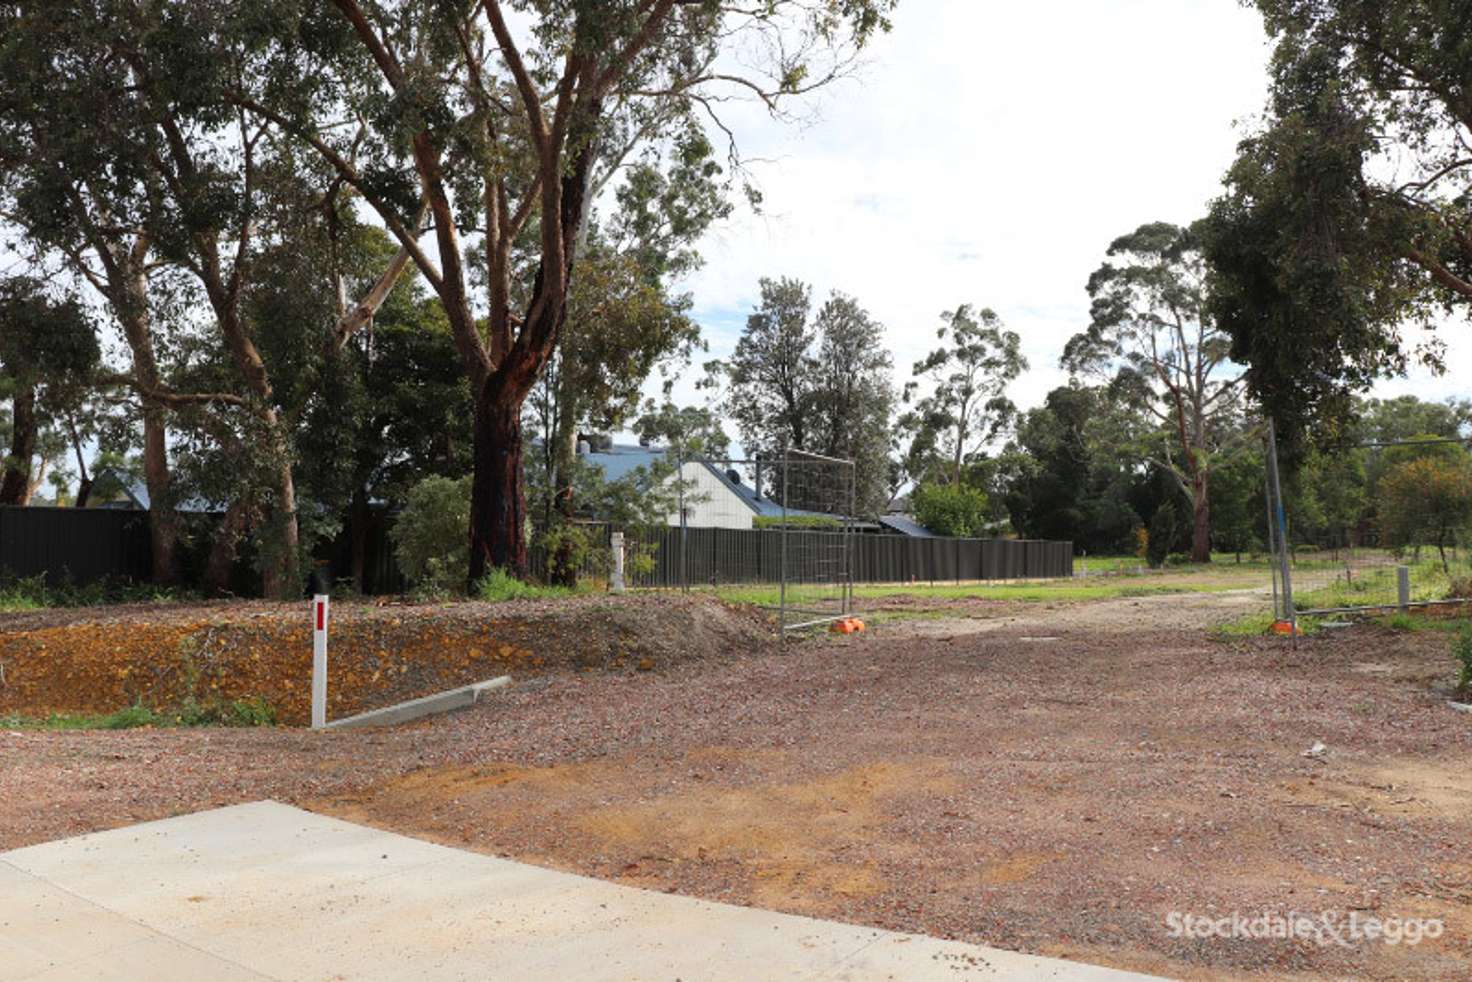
(1283, 627)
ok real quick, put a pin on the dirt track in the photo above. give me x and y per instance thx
(1054, 796)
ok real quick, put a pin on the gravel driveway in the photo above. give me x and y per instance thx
(1059, 795)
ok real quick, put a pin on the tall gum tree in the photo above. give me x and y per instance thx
(127, 154)
(1345, 216)
(958, 394)
(1152, 335)
(499, 119)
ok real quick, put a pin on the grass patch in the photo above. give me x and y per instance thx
(236, 712)
(1462, 652)
(1261, 625)
(500, 585)
(1330, 585)
(37, 593)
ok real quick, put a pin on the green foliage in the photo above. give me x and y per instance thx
(38, 592)
(810, 522)
(499, 585)
(1152, 338)
(429, 535)
(695, 430)
(1400, 621)
(965, 405)
(1462, 652)
(254, 711)
(1077, 471)
(48, 355)
(571, 550)
(817, 383)
(1427, 500)
(1165, 528)
(239, 712)
(950, 509)
(1341, 216)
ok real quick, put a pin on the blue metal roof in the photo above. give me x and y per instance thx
(621, 460)
(905, 525)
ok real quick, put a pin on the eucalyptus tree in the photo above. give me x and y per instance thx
(123, 155)
(817, 382)
(501, 131)
(854, 397)
(624, 320)
(48, 353)
(1346, 213)
(772, 373)
(958, 394)
(1151, 334)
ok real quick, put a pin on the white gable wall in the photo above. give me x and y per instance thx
(710, 503)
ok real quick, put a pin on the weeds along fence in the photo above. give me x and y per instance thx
(1395, 532)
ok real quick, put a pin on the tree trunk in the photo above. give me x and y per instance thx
(280, 576)
(358, 520)
(129, 291)
(163, 520)
(1201, 529)
(561, 570)
(15, 485)
(498, 502)
(223, 551)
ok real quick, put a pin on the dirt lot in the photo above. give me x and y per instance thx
(1052, 780)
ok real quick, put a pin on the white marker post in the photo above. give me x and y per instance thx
(319, 661)
(617, 545)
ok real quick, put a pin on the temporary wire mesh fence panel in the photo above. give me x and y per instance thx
(817, 526)
(1396, 530)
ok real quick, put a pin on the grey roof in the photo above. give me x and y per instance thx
(137, 493)
(905, 525)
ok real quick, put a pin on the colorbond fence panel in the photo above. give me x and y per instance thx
(87, 544)
(81, 545)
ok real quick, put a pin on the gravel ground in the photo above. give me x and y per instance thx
(1059, 795)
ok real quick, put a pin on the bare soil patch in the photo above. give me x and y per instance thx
(1052, 796)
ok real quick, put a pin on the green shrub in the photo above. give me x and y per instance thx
(1462, 652)
(500, 585)
(36, 592)
(570, 549)
(950, 509)
(430, 535)
(812, 522)
(127, 719)
(1164, 527)
(1400, 621)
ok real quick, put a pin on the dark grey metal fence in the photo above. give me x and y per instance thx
(79, 545)
(717, 556)
(84, 545)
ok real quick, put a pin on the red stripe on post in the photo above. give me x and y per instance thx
(321, 614)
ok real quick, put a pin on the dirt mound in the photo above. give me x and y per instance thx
(169, 655)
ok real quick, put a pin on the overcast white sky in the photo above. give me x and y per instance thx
(989, 153)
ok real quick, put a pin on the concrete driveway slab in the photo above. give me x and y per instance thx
(264, 890)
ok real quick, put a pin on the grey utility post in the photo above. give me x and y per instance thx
(616, 581)
(1403, 586)
(1289, 613)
